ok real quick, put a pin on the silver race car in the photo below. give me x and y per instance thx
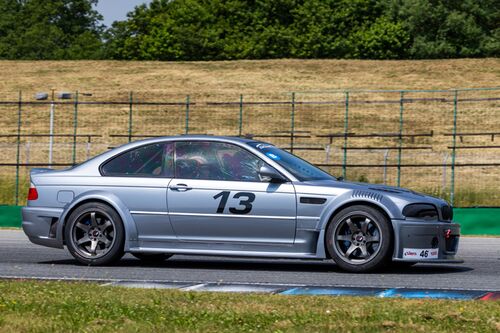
(228, 196)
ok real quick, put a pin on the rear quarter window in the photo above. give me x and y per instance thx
(154, 160)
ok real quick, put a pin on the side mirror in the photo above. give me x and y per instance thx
(269, 174)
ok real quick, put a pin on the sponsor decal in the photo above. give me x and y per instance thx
(264, 146)
(420, 254)
(273, 156)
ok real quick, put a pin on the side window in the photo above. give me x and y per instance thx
(215, 161)
(155, 160)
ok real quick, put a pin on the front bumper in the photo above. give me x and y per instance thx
(40, 225)
(424, 235)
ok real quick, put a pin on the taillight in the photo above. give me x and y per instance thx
(447, 233)
(32, 193)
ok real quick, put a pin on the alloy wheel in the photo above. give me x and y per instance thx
(93, 234)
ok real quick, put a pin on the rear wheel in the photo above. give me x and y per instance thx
(94, 234)
(151, 257)
(359, 239)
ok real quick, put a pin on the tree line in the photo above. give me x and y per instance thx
(252, 29)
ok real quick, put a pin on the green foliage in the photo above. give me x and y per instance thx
(255, 29)
(382, 40)
(345, 29)
(59, 29)
(237, 29)
(447, 28)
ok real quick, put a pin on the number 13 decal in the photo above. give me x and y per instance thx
(247, 202)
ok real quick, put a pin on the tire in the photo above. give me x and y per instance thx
(151, 257)
(359, 239)
(94, 234)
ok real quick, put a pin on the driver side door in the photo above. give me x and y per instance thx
(218, 196)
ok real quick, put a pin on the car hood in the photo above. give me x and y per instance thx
(332, 187)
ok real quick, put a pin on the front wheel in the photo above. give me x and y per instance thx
(94, 234)
(359, 239)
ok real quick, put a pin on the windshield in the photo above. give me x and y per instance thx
(301, 169)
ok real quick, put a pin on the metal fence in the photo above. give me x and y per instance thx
(442, 142)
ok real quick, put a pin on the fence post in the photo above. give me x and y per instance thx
(346, 126)
(241, 116)
(292, 125)
(187, 114)
(386, 157)
(51, 128)
(454, 145)
(445, 162)
(28, 149)
(75, 126)
(130, 110)
(19, 108)
(401, 110)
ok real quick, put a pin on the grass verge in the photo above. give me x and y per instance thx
(27, 306)
(246, 76)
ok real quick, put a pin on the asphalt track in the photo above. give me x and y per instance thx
(481, 270)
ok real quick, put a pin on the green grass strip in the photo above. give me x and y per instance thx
(473, 221)
(30, 306)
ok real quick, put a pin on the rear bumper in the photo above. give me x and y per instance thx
(413, 238)
(40, 225)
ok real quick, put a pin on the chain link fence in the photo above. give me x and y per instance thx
(441, 142)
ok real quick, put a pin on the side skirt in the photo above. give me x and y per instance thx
(305, 246)
(234, 253)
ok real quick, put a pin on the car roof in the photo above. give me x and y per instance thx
(197, 137)
(131, 145)
(184, 137)
(91, 166)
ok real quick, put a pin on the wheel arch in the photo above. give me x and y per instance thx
(108, 199)
(321, 246)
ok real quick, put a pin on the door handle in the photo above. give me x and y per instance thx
(180, 188)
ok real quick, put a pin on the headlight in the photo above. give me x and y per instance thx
(421, 211)
(447, 212)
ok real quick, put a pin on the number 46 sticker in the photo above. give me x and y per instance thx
(420, 254)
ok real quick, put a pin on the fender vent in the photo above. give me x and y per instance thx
(367, 195)
(312, 201)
